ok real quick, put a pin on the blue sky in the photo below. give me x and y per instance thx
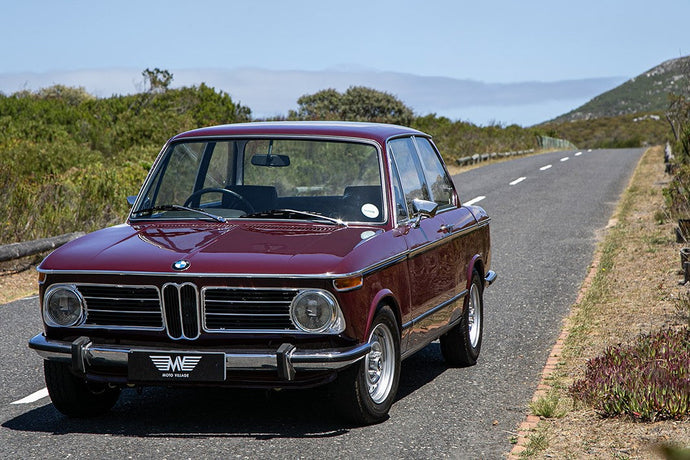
(505, 61)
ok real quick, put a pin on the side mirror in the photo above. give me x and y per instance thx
(423, 208)
(131, 200)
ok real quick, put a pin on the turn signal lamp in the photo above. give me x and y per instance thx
(349, 283)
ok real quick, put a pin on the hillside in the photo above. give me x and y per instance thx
(648, 92)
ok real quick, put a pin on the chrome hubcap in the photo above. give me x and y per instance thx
(379, 363)
(474, 317)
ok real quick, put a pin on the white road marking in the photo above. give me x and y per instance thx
(40, 394)
(578, 154)
(565, 159)
(544, 168)
(474, 201)
(517, 181)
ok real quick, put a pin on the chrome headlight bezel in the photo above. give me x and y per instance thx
(70, 291)
(332, 320)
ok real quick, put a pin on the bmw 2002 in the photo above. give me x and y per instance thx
(271, 255)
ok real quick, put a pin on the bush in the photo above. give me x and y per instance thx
(624, 131)
(68, 160)
(647, 381)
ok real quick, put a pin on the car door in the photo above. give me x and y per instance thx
(459, 241)
(432, 281)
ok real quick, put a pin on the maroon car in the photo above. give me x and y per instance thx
(271, 255)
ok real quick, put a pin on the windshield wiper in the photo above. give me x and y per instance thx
(293, 214)
(177, 207)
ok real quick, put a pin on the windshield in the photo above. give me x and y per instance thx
(263, 178)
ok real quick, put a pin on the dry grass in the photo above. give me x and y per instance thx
(635, 289)
(18, 280)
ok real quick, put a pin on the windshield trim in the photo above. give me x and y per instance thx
(171, 143)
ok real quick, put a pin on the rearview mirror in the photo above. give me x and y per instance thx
(276, 161)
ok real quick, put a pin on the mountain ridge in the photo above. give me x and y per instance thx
(647, 92)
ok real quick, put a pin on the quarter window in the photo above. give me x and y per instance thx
(400, 204)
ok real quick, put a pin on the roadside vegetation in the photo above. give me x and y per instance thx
(624, 373)
(623, 131)
(621, 388)
(68, 160)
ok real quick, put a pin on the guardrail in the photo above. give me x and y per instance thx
(544, 142)
(478, 158)
(29, 248)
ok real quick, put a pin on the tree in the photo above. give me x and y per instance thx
(158, 80)
(70, 95)
(678, 112)
(365, 104)
(358, 103)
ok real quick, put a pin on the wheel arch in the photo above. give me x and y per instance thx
(384, 297)
(477, 262)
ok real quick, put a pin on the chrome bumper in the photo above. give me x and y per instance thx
(490, 277)
(286, 360)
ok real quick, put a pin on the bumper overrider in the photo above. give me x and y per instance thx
(82, 354)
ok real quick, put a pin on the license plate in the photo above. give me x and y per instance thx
(145, 366)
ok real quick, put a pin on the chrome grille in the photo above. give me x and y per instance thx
(181, 311)
(122, 306)
(236, 309)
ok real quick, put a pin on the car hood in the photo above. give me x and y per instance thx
(245, 248)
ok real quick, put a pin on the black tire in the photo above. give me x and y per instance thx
(76, 397)
(366, 390)
(461, 345)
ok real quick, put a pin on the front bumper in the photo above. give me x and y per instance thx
(286, 360)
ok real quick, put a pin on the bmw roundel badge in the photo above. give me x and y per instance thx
(181, 265)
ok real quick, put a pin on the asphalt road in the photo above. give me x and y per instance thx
(543, 236)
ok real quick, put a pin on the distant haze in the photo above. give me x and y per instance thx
(271, 93)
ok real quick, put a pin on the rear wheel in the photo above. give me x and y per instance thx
(461, 345)
(366, 390)
(76, 397)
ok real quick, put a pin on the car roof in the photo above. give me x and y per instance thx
(379, 132)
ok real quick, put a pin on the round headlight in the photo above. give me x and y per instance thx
(63, 306)
(316, 311)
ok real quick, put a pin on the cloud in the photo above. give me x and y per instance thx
(274, 92)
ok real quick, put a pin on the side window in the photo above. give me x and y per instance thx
(439, 183)
(405, 157)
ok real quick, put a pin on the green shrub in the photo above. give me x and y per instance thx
(68, 160)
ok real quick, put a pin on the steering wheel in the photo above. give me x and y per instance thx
(236, 198)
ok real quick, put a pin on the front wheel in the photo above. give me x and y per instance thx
(76, 397)
(367, 389)
(461, 345)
